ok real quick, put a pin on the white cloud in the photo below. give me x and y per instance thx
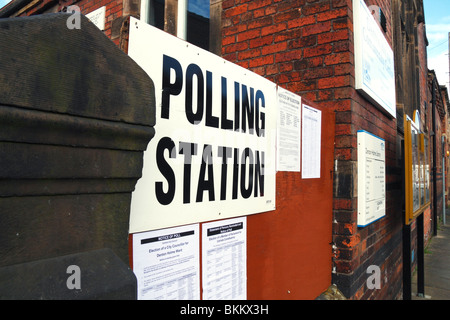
(437, 33)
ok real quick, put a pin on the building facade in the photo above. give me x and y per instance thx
(308, 48)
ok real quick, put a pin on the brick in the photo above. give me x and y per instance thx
(343, 93)
(285, 16)
(343, 129)
(342, 3)
(320, 50)
(299, 86)
(315, 8)
(344, 154)
(323, 95)
(337, 58)
(309, 95)
(228, 40)
(276, 28)
(227, 4)
(236, 47)
(333, 82)
(286, 66)
(234, 29)
(303, 42)
(333, 14)
(255, 4)
(315, 62)
(263, 41)
(328, 37)
(286, 5)
(342, 23)
(281, 46)
(302, 21)
(272, 69)
(247, 16)
(270, 10)
(346, 141)
(287, 35)
(250, 34)
(253, 53)
(316, 28)
(234, 11)
(345, 68)
(260, 61)
(318, 73)
(262, 22)
(288, 56)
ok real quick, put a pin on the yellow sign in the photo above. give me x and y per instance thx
(417, 171)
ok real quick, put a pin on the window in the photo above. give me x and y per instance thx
(193, 18)
(198, 23)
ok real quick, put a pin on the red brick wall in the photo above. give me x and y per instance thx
(306, 46)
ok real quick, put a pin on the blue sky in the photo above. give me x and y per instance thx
(437, 20)
(3, 2)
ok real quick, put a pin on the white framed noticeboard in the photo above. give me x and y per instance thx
(374, 60)
(371, 178)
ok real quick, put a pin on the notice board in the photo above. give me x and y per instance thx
(417, 171)
(193, 172)
(371, 178)
(374, 60)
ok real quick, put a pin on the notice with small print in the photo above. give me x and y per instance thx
(224, 259)
(288, 131)
(167, 264)
(311, 137)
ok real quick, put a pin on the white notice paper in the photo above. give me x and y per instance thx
(166, 263)
(311, 142)
(371, 178)
(288, 135)
(224, 259)
(97, 17)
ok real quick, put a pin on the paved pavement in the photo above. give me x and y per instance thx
(437, 266)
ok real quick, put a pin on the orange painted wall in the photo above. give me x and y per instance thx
(288, 250)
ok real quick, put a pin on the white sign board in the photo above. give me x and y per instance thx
(167, 263)
(311, 142)
(374, 60)
(288, 134)
(213, 155)
(97, 17)
(371, 178)
(224, 259)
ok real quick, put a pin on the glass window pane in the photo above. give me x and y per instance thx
(198, 23)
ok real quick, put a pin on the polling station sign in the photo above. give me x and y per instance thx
(213, 155)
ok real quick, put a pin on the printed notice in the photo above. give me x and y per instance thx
(166, 263)
(224, 259)
(311, 142)
(288, 135)
(371, 178)
(97, 17)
